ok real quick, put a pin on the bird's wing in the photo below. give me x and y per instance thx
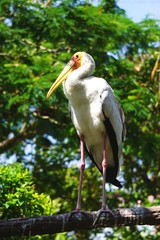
(114, 113)
(114, 123)
(122, 120)
(113, 119)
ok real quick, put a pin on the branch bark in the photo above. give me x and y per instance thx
(78, 221)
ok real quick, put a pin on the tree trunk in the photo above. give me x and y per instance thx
(78, 221)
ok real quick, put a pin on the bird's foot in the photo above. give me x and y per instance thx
(76, 211)
(104, 211)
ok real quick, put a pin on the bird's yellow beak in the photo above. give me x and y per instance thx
(62, 77)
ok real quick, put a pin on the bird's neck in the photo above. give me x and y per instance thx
(74, 86)
(74, 83)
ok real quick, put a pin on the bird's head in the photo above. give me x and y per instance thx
(78, 60)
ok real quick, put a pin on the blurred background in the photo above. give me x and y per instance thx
(39, 170)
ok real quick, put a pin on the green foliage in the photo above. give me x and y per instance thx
(18, 196)
(37, 38)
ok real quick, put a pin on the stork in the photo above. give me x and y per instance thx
(97, 117)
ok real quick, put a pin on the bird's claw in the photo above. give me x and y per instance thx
(76, 211)
(106, 211)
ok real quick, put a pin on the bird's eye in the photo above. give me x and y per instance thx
(77, 56)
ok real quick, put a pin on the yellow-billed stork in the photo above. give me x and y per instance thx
(97, 117)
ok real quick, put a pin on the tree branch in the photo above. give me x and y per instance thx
(78, 221)
(26, 132)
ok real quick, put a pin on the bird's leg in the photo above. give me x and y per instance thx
(82, 167)
(104, 167)
(104, 208)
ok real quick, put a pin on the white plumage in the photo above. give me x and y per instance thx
(96, 114)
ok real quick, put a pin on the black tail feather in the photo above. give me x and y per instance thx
(111, 174)
(116, 183)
